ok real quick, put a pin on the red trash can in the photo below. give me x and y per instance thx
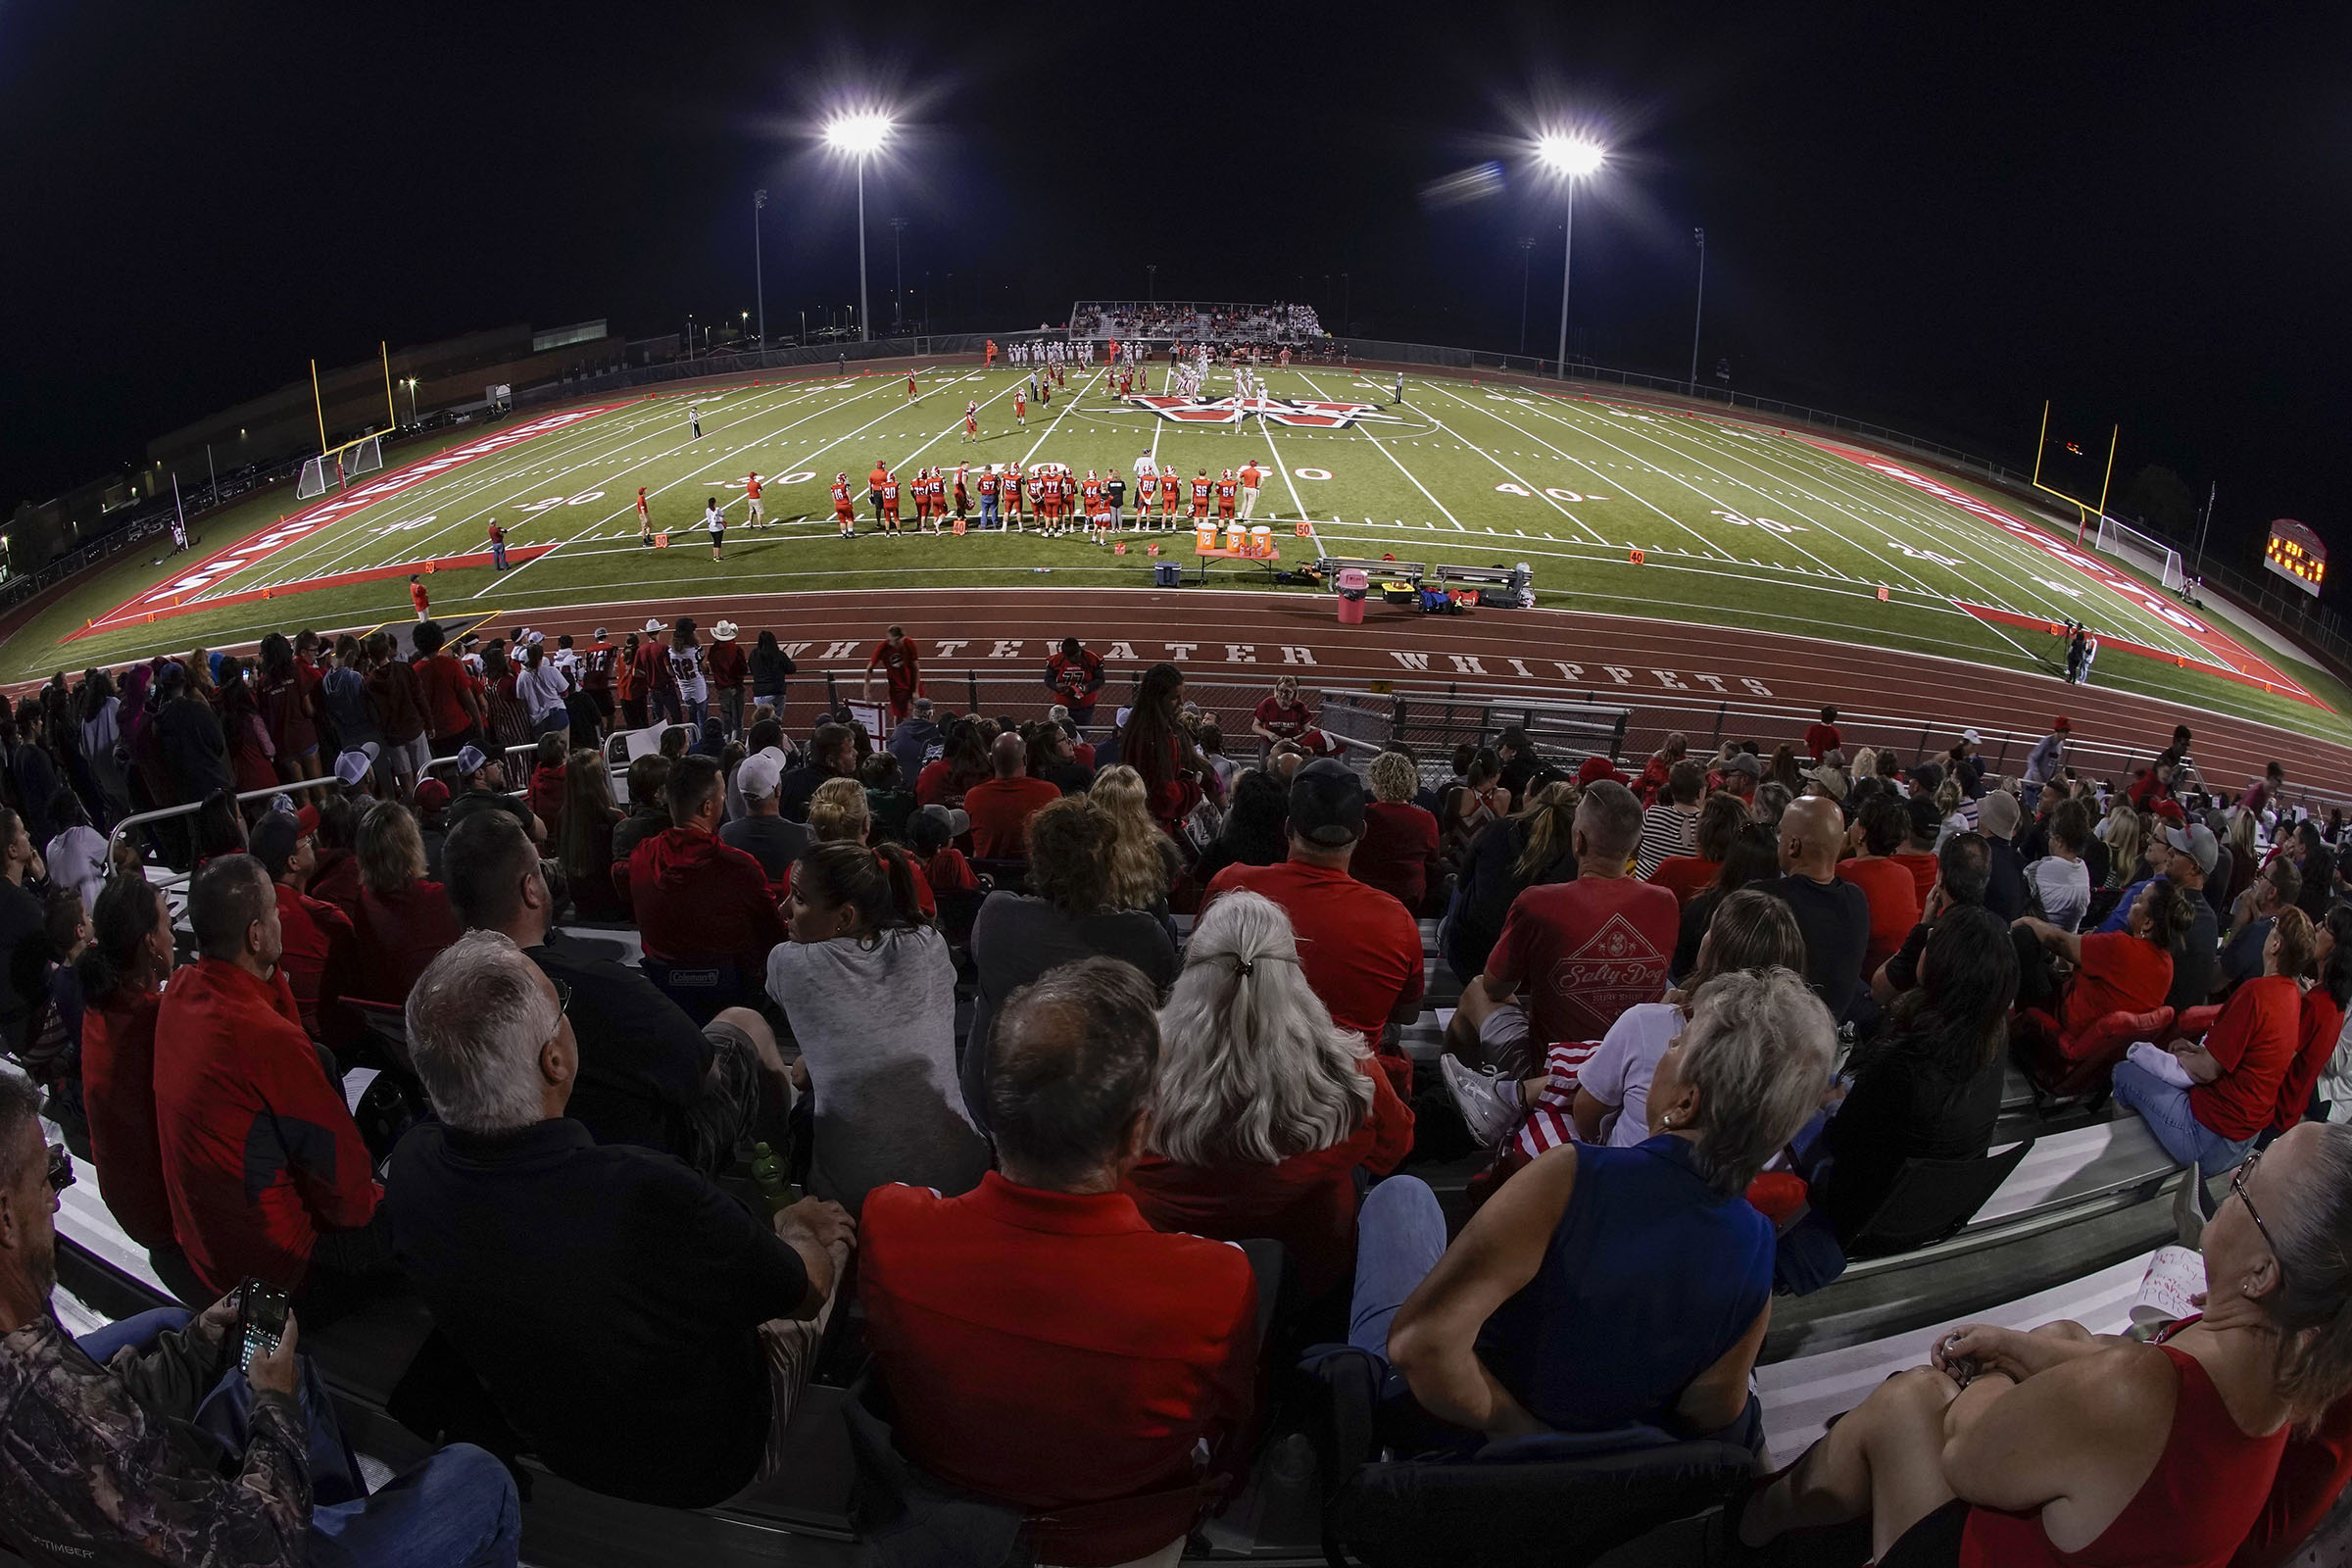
(1352, 585)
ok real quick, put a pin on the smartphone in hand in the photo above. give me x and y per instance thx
(261, 1321)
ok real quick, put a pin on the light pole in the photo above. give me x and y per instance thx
(1527, 248)
(759, 274)
(1572, 158)
(408, 381)
(897, 277)
(1700, 235)
(861, 136)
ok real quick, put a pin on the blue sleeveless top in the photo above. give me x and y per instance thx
(1651, 1276)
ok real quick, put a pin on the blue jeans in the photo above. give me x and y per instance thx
(988, 512)
(456, 1510)
(1400, 1236)
(2166, 1109)
(498, 557)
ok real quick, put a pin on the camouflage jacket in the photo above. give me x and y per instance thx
(98, 1464)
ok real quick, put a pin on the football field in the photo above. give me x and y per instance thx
(1615, 505)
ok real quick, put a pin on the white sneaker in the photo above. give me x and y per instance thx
(1488, 1104)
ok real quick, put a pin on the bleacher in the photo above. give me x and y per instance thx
(2065, 1234)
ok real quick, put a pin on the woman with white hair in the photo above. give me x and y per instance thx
(1603, 1285)
(1264, 1107)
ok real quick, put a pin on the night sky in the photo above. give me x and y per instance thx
(1933, 218)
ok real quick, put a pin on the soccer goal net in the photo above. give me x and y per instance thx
(339, 466)
(2152, 556)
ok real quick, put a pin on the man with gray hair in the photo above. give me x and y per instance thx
(96, 1465)
(1586, 950)
(638, 1328)
(985, 1310)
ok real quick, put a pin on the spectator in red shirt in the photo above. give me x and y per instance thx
(545, 797)
(988, 1312)
(453, 707)
(2115, 972)
(397, 699)
(1000, 808)
(1587, 949)
(1361, 949)
(729, 674)
(1399, 853)
(1156, 744)
(267, 1173)
(121, 973)
(900, 661)
(418, 597)
(696, 897)
(1266, 1109)
(322, 955)
(1674, 749)
(404, 917)
(1876, 834)
(1284, 717)
(282, 689)
(1719, 822)
(1822, 738)
(2234, 1075)
(1074, 676)
(2323, 1020)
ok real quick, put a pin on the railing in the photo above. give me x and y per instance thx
(162, 814)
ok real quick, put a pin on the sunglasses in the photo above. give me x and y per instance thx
(61, 1168)
(2237, 1189)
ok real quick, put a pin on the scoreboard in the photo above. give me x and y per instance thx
(2294, 551)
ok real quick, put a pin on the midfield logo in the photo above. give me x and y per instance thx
(1281, 411)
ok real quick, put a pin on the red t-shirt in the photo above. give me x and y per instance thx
(1821, 740)
(2323, 1021)
(1286, 722)
(417, 597)
(1001, 810)
(898, 664)
(401, 934)
(1398, 852)
(321, 959)
(948, 871)
(1685, 877)
(117, 1082)
(1923, 870)
(1054, 1351)
(444, 679)
(2254, 1040)
(1358, 948)
(2118, 973)
(1584, 950)
(1893, 905)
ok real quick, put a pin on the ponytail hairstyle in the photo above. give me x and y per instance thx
(2298, 940)
(2312, 1305)
(121, 924)
(878, 883)
(1546, 826)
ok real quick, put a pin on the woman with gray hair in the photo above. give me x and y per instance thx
(1602, 1285)
(1264, 1107)
(2027, 1447)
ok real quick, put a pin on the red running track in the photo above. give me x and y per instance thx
(1628, 659)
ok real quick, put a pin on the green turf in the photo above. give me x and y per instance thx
(1738, 526)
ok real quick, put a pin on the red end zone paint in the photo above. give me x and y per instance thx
(2228, 657)
(516, 555)
(184, 592)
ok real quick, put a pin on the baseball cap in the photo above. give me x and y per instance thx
(959, 823)
(351, 766)
(1327, 803)
(1972, 737)
(470, 761)
(599, 634)
(1597, 767)
(2170, 812)
(2198, 844)
(431, 794)
(273, 841)
(1746, 762)
(2062, 724)
(761, 774)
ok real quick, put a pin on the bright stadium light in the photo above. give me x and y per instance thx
(1572, 158)
(859, 136)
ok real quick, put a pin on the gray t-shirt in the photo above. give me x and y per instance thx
(2062, 888)
(876, 1026)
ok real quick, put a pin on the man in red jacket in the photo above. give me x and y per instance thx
(695, 898)
(267, 1172)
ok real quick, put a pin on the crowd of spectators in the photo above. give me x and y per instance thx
(1130, 320)
(1002, 1028)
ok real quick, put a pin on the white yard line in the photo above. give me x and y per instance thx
(1530, 485)
(1385, 453)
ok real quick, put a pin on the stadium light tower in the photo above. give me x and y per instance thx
(1571, 158)
(859, 136)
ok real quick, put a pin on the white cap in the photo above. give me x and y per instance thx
(1972, 737)
(761, 774)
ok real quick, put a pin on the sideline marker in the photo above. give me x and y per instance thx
(1638, 557)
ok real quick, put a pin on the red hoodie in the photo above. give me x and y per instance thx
(698, 899)
(259, 1152)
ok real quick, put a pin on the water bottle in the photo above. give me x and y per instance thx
(768, 1174)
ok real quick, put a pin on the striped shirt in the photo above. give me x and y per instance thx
(1666, 829)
